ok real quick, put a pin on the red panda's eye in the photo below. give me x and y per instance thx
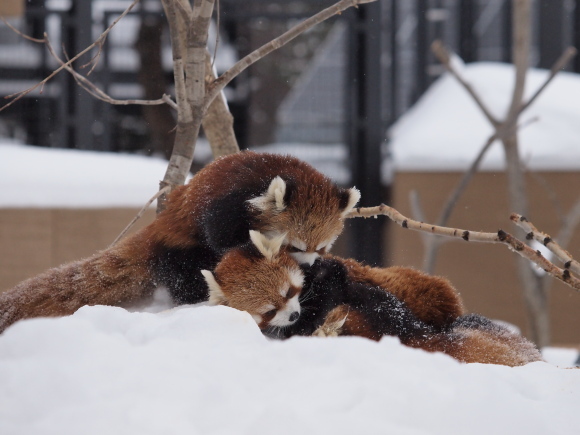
(294, 249)
(269, 315)
(291, 292)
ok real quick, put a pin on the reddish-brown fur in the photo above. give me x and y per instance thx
(493, 345)
(481, 346)
(132, 269)
(112, 277)
(431, 298)
(256, 282)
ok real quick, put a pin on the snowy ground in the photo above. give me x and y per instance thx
(208, 370)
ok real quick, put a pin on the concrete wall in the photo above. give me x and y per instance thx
(486, 274)
(33, 240)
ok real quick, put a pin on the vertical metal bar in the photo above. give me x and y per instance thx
(368, 127)
(82, 114)
(551, 43)
(422, 53)
(576, 40)
(507, 31)
(467, 37)
(393, 77)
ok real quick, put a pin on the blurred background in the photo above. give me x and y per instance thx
(335, 96)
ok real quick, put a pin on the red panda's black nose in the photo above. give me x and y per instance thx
(294, 316)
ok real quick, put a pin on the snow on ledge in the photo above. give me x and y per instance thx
(48, 177)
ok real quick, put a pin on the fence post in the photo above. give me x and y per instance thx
(81, 114)
(367, 124)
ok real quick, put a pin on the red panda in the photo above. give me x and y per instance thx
(256, 279)
(424, 298)
(277, 195)
(343, 297)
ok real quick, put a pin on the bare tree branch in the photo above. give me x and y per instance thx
(276, 43)
(501, 236)
(547, 241)
(445, 58)
(92, 89)
(17, 96)
(218, 123)
(564, 58)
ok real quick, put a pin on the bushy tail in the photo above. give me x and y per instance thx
(476, 339)
(115, 276)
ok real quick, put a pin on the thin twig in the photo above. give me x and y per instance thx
(92, 89)
(139, 215)
(19, 33)
(564, 58)
(444, 57)
(501, 236)
(19, 95)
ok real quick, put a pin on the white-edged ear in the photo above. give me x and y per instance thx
(269, 248)
(353, 198)
(216, 295)
(274, 195)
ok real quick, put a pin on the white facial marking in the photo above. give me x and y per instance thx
(282, 316)
(266, 308)
(305, 257)
(257, 318)
(296, 277)
(299, 244)
(284, 290)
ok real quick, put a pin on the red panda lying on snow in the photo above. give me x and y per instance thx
(202, 220)
(342, 297)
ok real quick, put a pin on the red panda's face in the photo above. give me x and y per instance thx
(265, 286)
(310, 215)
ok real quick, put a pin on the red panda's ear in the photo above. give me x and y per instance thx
(216, 295)
(269, 248)
(273, 198)
(353, 196)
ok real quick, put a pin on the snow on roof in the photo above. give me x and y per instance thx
(445, 129)
(209, 370)
(49, 177)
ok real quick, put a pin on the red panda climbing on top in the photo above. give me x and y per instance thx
(277, 195)
(343, 297)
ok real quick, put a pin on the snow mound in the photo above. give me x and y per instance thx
(445, 129)
(209, 370)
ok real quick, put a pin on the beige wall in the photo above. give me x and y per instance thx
(485, 274)
(33, 240)
(11, 8)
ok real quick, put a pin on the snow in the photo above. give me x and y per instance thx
(445, 129)
(48, 177)
(209, 370)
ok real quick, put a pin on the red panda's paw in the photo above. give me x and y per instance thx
(332, 326)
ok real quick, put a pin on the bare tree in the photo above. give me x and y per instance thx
(535, 286)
